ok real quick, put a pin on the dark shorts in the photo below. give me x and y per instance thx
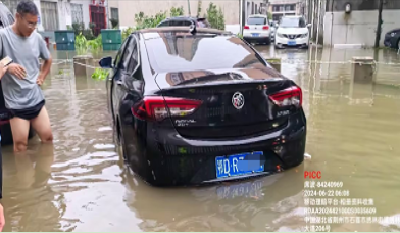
(28, 113)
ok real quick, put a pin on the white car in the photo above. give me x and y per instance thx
(257, 29)
(292, 31)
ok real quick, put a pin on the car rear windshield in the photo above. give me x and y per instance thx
(174, 53)
(288, 22)
(256, 21)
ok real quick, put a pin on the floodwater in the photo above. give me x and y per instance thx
(80, 184)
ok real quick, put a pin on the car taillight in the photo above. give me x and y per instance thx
(246, 27)
(157, 108)
(287, 97)
(265, 28)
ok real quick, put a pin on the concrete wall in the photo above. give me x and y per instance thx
(359, 27)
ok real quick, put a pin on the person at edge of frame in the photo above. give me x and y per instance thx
(3, 70)
(21, 83)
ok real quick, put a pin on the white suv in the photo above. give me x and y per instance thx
(257, 29)
(292, 32)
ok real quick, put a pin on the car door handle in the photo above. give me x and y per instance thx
(119, 83)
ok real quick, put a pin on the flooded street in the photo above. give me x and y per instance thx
(80, 183)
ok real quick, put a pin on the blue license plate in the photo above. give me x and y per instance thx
(291, 42)
(246, 189)
(255, 34)
(239, 164)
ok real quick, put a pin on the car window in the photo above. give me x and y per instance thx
(117, 60)
(291, 22)
(256, 21)
(302, 23)
(164, 24)
(179, 23)
(130, 57)
(201, 52)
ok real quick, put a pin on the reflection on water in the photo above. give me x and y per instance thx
(79, 182)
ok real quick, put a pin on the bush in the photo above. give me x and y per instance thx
(215, 17)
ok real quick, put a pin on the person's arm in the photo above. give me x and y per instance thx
(46, 56)
(2, 219)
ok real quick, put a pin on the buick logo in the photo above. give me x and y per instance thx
(238, 100)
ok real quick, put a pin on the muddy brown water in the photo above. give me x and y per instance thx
(80, 184)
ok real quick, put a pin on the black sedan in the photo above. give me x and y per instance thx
(392, 39)
(192, 107)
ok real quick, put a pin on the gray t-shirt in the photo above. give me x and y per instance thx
(25, 93)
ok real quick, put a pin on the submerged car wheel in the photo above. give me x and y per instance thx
(121, 144)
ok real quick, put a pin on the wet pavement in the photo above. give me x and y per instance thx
(80, 183)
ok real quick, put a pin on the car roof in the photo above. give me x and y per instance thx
(257, 15)
(183, 29)
(292, 16)
(183, 17)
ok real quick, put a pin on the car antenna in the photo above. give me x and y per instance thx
(193, 29)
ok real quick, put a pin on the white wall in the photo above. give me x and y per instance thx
(359, 27)
(64, 12)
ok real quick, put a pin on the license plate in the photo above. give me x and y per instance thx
(239, 164)
(247, 189)
(292, 42)
(255, 34)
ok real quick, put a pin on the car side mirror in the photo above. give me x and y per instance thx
(106, 62)
(277, 25)
(309, 25)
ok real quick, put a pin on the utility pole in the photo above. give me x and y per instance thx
(189, 7)
(242, 14)
(380, 22)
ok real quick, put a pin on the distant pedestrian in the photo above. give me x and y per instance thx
(21, 84)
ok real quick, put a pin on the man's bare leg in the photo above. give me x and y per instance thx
(41, 124)
(20, 133)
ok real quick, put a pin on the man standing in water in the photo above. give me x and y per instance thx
(21, 84)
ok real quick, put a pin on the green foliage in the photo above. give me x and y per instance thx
(114, 23)
(125, 33)
(100, 74)
(95, 45)
(144, 21)
(240, 35)
(215, 17)
(176, 11)
(269, 15)
(81, 43)
(79, 28)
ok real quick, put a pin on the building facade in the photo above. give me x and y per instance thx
(125, 10)
(279, 8)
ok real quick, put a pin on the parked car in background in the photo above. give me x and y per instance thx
(216, 111)
(292, 31)
(392, 39)
(184, 21)
(257, 29)
(6, 19)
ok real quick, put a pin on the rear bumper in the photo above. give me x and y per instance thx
(178, 161)
(262, 37)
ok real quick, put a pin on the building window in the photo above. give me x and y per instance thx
(11, 5)
(114, 13)
(287, 8)
(281, 8)
(49, 15)
(76, 13)
(293, 7)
